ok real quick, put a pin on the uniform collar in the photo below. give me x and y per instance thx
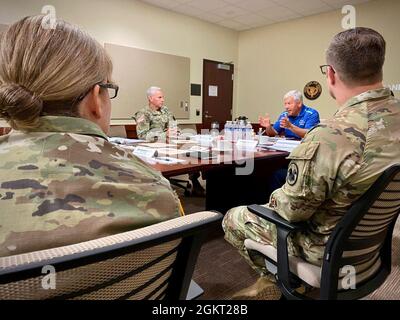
(366, 96)
(155, 111)
(70, 125)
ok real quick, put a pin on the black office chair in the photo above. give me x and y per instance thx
(362, 239)
(183, 184)
(150, 263)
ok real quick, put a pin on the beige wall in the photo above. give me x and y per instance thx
(135, 24)
(285, 56)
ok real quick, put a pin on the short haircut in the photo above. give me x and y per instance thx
(357, 55)
(297, 96)
(152, 90)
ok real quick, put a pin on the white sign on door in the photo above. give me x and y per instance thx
(213, 91)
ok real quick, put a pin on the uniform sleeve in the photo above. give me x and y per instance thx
(312, 120)
(142, 124)
(318, 168)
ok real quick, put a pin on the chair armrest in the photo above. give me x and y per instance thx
(275, 218)
(283, 229)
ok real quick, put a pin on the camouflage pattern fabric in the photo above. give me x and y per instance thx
(335, 164)
(64, 183)
(151, 125)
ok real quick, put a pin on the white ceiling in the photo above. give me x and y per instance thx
(246, 14)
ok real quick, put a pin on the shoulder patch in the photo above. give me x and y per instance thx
(292, 174)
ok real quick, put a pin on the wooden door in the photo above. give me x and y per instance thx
(217, 92)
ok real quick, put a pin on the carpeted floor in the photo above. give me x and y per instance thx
(221, 271)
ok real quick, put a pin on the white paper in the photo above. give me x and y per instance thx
(213, 91)
(144, 152)
(168, 160)
(171, 152)
(249, 145)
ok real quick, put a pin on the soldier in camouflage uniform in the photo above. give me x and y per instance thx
(61, 181)
(153, 121)
(337, 161)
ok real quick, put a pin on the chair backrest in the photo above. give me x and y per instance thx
(362, 240)
(154, 262)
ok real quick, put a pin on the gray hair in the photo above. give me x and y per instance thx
(152, 90)
(297, 96)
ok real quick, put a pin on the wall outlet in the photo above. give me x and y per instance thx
(197, 112)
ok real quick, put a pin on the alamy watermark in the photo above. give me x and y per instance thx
(394, 87)
(50, 278)
(349, 279)
(49, 21)
(349, 21)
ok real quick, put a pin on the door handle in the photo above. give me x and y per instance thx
(207, 116)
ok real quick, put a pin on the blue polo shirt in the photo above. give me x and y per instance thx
(306, 119)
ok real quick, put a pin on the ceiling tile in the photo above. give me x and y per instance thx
(245, 14)
(230, 11)
(309, 6)
(251, 18)
(188, 10)
(278, 12)
(255, 5)
(168, 4)
(338, 4)
(232, 1)
(208, 5)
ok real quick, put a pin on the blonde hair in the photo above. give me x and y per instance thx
(45, 71)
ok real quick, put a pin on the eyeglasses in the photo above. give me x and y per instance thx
(324, 68)
(112, 89)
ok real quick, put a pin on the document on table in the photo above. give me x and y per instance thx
(285, 145)
(171, 151)
(168, 160)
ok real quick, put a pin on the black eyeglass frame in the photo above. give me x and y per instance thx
(101, 85)
(325, 66)
(110, 86)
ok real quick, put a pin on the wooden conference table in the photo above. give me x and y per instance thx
(232, 178)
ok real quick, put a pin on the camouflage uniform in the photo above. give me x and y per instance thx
(64, 183)
(151, 124)
(335, 164)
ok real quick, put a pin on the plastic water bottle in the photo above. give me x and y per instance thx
(214, 129)
(236, 131)
(228, 131)
(248, 131)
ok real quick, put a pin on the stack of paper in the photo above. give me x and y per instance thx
(285, 145)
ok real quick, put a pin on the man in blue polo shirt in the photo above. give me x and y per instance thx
(294, 124)
(295, 121)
